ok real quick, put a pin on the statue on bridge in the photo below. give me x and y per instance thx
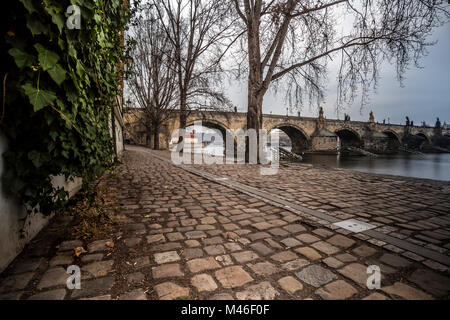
(438, 127)
(371, 117)
(321, 120)
(407, 122)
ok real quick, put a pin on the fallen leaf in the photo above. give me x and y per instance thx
(110, 244)
(79, 251)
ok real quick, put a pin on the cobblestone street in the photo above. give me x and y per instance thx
(182, 236)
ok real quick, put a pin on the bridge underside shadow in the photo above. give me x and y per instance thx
(299, 140)
(349, 138)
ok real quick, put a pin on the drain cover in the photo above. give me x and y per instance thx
(354, 225)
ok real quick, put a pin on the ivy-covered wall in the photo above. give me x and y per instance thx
(60, 88)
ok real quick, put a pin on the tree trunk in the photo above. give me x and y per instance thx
(183, 110)
(254, 119)
(156, 137)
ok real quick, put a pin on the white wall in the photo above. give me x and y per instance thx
(11, 211)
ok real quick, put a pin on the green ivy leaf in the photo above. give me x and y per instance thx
(47, 58)
(38, 98)
(21, 58)
(36, 27)
(58, 74)
(28, 4)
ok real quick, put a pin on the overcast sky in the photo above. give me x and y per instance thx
(425, 95)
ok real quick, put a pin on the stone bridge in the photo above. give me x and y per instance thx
(307, 134)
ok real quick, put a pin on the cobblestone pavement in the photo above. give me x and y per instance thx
(181, 236)
(414, 210)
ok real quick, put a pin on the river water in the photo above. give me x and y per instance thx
(428, 166)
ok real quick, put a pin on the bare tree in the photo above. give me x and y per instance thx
(289, 42)
(200, 36)
(152, 83)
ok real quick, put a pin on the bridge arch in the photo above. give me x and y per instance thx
(299, 138)
(394, 141)
(214, 125)
(349, 138)
(424, 136)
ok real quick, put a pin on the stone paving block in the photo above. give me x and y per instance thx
(99, 245)
(169, 246)
(341, 241)
(156, 238)
(316, 275)
(294, 228)
(204, 282)
(356, 272)
(290, 284)
(395, 260)
(284, 256)
(208, 220)
(28, 265)
(406, 292)
(264, 268)
(58, 294)
(307, 238)
(261, 248)
(295, 264)
(141, 262)
(61, 260)
(195, 235)
(192, 243)
(132, 242)
(278, 232)
(53, 277)
(134, 278)
(232, 277)
(96, 269)
(202, 264)
(92, 257)
(262, 225)
(309, 253)
(171, 291)
(325, 247)
(432, 282)
(192, 253)
(167, 271)
(70, 245)
(376, 296)
(290, 242)
(364, 251)
(273, 244)
(346, 257)
(232, 247)
(245, 256)
(137, 294)
(323, 233)
(258, 236)
(93, 288)
(337, 290)
(333, 262)
(174, 236)
(261, 291)
(215, 250)
(166, 257)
